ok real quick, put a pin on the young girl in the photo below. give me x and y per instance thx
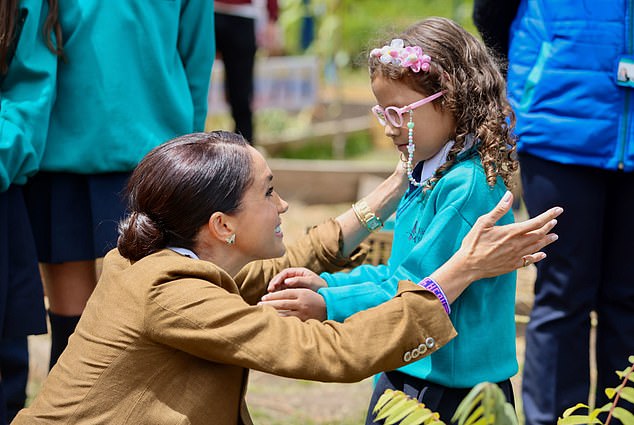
(29, 46)
(442, 101)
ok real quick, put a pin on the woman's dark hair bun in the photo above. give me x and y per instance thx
(139, 236)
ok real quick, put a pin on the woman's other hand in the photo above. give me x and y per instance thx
(302, 303)
(296, 277)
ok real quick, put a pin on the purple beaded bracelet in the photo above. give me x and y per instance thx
(432, 286)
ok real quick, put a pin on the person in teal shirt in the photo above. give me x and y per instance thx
(441, 99)
(28, 68)
(134, 75)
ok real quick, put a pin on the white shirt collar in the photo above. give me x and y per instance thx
(432, 164)
(184, 251)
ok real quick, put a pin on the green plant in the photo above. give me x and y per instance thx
(397, 407)
(486, 404)
(623, 391)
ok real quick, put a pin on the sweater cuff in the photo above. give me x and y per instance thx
(327, 241)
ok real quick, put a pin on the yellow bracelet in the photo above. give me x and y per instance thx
(366, 216)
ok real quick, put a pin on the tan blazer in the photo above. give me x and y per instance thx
(170, 340)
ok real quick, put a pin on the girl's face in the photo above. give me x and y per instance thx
(258, 232)
(433, 128)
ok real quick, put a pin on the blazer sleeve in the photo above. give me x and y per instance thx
(197, 48)
(319, 250)
(208, 322)
(27, 93)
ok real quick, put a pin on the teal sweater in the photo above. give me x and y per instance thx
(136, 74)
(429, 229)
(27, 93)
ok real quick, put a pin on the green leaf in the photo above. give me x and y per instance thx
(385, 397)
(394, 407)
(610, 392)
(626, 418)
(397, 417)
(418, 417)
(573, 408)
(630, 359)
(577, 420)
(623, 373)
(474, 416)
(627, 393)
(468, 404)
(508, 416)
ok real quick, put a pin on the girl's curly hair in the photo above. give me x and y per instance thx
(475, 93)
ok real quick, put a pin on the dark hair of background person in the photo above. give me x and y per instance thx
(11, 21)
(493, 20)
(178, 185)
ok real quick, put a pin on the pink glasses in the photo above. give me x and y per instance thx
(394, 115)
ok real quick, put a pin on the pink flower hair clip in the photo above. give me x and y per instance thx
(396, 53)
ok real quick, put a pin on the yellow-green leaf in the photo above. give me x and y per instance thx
(418, 417)
(396, 418)
(394, 398)
(577, 420)
(573, 408)
(394, 407)
(627, 393)
(474, 416)
(385, 397)
(626, 418)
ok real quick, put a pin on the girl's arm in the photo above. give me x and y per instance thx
(486, 251)
(382, 201)
(27, 93)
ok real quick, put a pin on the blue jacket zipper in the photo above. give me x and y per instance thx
(626, 104)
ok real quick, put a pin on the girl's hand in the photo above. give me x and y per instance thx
(296, 277)
(302, 303)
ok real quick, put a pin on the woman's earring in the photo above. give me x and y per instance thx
(231, 239)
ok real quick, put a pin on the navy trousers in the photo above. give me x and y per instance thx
(590, 268)
(22, 310)
(14, 367)
(235, 41)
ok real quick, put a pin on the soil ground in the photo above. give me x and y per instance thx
(273, 400)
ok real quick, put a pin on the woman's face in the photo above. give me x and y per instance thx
(258, 231)
(433, 127)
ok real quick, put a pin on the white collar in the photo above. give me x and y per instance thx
(184, 251)
(432, 164)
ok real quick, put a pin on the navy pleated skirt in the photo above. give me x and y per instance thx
(75, 216)
(22, 310)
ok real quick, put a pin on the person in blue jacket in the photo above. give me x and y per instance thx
(134, 75)
(28, 66)
(443, 103)
(575, 122)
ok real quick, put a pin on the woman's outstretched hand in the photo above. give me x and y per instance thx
(489, 250)
(495, 250)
